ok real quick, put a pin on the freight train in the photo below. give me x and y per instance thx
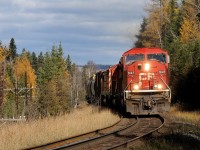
(139, 83)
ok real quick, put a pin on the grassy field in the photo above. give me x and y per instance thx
(192, 117)
(183, 136)
(33, 133)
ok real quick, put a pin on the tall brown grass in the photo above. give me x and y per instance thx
(33, 133)
(185, 116)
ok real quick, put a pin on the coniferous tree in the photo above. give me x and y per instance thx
(33, 61)
(12, 50)
(140, 37)
(40, 60)
(53, 78)
(69, 64)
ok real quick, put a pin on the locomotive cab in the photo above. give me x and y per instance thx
(145, 81)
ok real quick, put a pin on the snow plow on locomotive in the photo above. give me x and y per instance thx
(138, 83)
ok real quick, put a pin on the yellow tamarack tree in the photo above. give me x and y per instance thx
(190, 29)
(2, 54)
(23, 67)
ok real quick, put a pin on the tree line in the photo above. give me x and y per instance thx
(175, 26)
(39, 85)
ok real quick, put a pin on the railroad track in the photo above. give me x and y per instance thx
(120, 125)
(121, 135)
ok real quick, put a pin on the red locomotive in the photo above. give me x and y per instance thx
(139, 83)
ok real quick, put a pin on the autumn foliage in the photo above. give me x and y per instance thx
(23, 67)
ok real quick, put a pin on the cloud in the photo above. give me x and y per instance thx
(90, 28)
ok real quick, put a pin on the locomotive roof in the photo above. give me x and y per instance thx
(144, 50)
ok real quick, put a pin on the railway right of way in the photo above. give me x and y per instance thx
(122, 124)
(129, 130)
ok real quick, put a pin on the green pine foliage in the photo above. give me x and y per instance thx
(12, 50)
(33, 61)
(140, 36)
(69, 64)
(53, 78)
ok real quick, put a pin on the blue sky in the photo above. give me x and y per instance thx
(98, 30)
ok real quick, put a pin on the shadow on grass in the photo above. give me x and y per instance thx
(171, 142)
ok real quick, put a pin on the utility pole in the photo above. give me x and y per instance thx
(16, 95)
(26, 90)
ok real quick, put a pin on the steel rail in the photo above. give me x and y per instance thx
(77, 145)
(130, 142)
(122, 138)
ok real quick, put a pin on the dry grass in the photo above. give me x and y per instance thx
(33, 133)
(185, 116)
(176, 135)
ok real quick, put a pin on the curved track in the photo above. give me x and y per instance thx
(121, 135)
(122, 124)
(144, 127)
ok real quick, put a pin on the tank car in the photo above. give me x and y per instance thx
(139, 82)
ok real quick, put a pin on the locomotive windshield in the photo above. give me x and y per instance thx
(132, 58)
(158, 57)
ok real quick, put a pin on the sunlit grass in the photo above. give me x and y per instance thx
(185, 116)
(33, 133)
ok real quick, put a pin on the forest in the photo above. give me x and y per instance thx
(40, 86)
(175, 26)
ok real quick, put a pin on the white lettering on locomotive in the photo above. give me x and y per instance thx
(146, 76)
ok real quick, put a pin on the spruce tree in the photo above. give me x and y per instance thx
(40, 60)
(69, 64)
(140, 36)
(12, 50)
(33, 61)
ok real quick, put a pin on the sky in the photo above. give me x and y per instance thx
(97, 30)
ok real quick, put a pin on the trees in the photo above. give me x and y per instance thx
(12, 50)
(175, 28)
(2, 74)
(90, 68)
(54, 83)
(84, 77)
(161, 26)
(69, 64)
(190, 28)
(140, 37)
(43, 85)
(20, 81)
(33, 60)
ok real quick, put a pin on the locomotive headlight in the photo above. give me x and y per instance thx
(147, 67)
(135, 87)
(159, 86)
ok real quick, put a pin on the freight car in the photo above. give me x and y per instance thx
(139, 83)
